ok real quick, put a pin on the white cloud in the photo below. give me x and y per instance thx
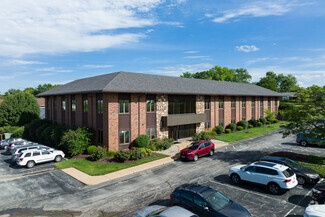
(48, 74)
(97, 66)
(191, 51)
(179, 69)
(44, 26)
(24, 62)
(257, 9)
(247, 48)
(53, 69)
(196, 57)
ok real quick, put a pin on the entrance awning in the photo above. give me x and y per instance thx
(183, 119)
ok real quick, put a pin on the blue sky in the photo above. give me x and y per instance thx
(43, 41)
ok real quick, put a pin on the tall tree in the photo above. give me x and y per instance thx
(279, 83)
(12, 91)
(242, 76)
(45, 87)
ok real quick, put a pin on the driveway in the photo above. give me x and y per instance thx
(122, 197)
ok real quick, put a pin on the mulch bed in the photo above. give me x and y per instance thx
(109, 160)
(290, 155)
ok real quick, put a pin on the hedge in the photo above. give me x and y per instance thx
(219, 129)
(160, 144)
(239, 128)
(263, 120)
(200, 136)
(228, 130)
(231, 126)
(98, 153)
(91, 149)
(142, 141)
(253, 122)
(243, 124)
(76, 141)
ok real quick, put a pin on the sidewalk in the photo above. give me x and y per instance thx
(173, 152)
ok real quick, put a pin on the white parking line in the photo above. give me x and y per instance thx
(250, 192)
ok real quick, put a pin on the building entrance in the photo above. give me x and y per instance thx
(181, 131)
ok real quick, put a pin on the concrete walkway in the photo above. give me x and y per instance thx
(173, 152)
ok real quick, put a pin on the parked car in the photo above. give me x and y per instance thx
(318, 193)
(19, 149)
(5, 143)
(275, 177)
(197, 149)
(12, 145)
(315, 211)
(305, 139)
(29, 158)
(304, 174)
(206, 201)
(163, 211)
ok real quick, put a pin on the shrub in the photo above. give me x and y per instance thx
(243, 123)
(160, 144)
(263, 120)
(231, 126)
(122, 155)
(269, 114)
(91, 149)
(268, 122)
(18, 132)
(15, 130)
(253, 122)
(142, 141)
(76, 141)
(47, 135)
(219, 129)
(136, 153)
(275, 121)
(40, 130)
(149, 152)
(110, 153)
(259, 124)
(239, 128)
(250, 126)
(146, 151)
(59, 131)
(228, 130)
(98, 153)
(201, 136)
(212, 133)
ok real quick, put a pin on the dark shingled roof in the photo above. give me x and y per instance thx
(127, 82)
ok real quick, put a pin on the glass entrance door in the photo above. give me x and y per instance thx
(181, 131)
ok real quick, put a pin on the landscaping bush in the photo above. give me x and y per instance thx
(275, 121)
(110, 153)
(250, 126)
(268, 122)
(30, 129)
(59, 131)
(160, 144)
(243, 124)
(219, 129)
(122, 155)
(228, 130)
(201, 136)
(146, 151)
(136, 153)
(239, 128)
(142, 141)
(39, 130)
(231, 126)
(15, 130)
(91, 149)
(212, 133)
(259, 124)
(263, 120)
(18, 132)
(47, 135)
(76, 141)
(253, 122)
(98, 153)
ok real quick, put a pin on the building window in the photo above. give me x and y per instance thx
(253, 116)
(221, 123)
(124, 137)
(261, 101)
(269, 103)
(276, 103)
(99, 136)
(221, 102)
(85, 105)
(54, 103)
(73, 105)
(124, 106)
(207, 104)
(63, 105)
(233, 102)
(99, 106)
(151, 133)
(253, 102)
(181, 104)
(233, 121)
(243, 101)
(150, 105)
(244, 118)
(207, 125)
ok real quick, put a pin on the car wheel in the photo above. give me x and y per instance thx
(58, 158)
(303, 143)
(30, 164)
(274, 188)
(235, 178)
(301, 180)
(195, 157)
(211, 152)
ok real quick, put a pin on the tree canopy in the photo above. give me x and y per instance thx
(280, 83)
(308, 113)
(40, 88)
(18, 109)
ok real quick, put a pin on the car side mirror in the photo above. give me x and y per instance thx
(206, 208)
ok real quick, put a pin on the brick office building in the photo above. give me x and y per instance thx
(120, 106)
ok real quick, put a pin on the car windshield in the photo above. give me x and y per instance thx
(288, 173)
(292, 164)
(193, 146)
(217, 200)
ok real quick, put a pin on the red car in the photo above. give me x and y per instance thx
(197, 149)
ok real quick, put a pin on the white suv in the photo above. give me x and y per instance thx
(31, 157)
(276, 177)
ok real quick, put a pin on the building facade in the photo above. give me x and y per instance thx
(126, 105)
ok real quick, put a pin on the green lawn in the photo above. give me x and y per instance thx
(95, 169)
(318, 168)
(239, 135)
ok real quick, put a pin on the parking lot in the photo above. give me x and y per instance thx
(53, 193)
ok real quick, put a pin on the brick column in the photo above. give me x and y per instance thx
(106, 121)
(213, 111)
(227, 110)
(134, 117)
(249, 108)
(59, 109)
(238, 109)
(111, 136)
(162, 110)
(216, 110)
(78, 99)
(200, 127)
(143, 114)
(265, 105)
(52, 108)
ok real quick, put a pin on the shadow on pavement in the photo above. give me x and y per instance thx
(300, 200)
(239, 157)
(164, 202)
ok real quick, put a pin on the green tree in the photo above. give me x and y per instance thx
(304, 116)
(30, 90)
(280, 83)
(269, 81)
(18, 109)
(242, 76)
(12, 91)
(45, 87)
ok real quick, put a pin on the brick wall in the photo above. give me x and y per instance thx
(113, 115)
(227, 110)
(200, 110)
(213, 111)
(162, 110)
(265, 105)
(248, 108)
(143, 114)
(216, 110)
(238, 109)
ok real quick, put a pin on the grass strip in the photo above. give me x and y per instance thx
(95, 169)
(318, 168)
